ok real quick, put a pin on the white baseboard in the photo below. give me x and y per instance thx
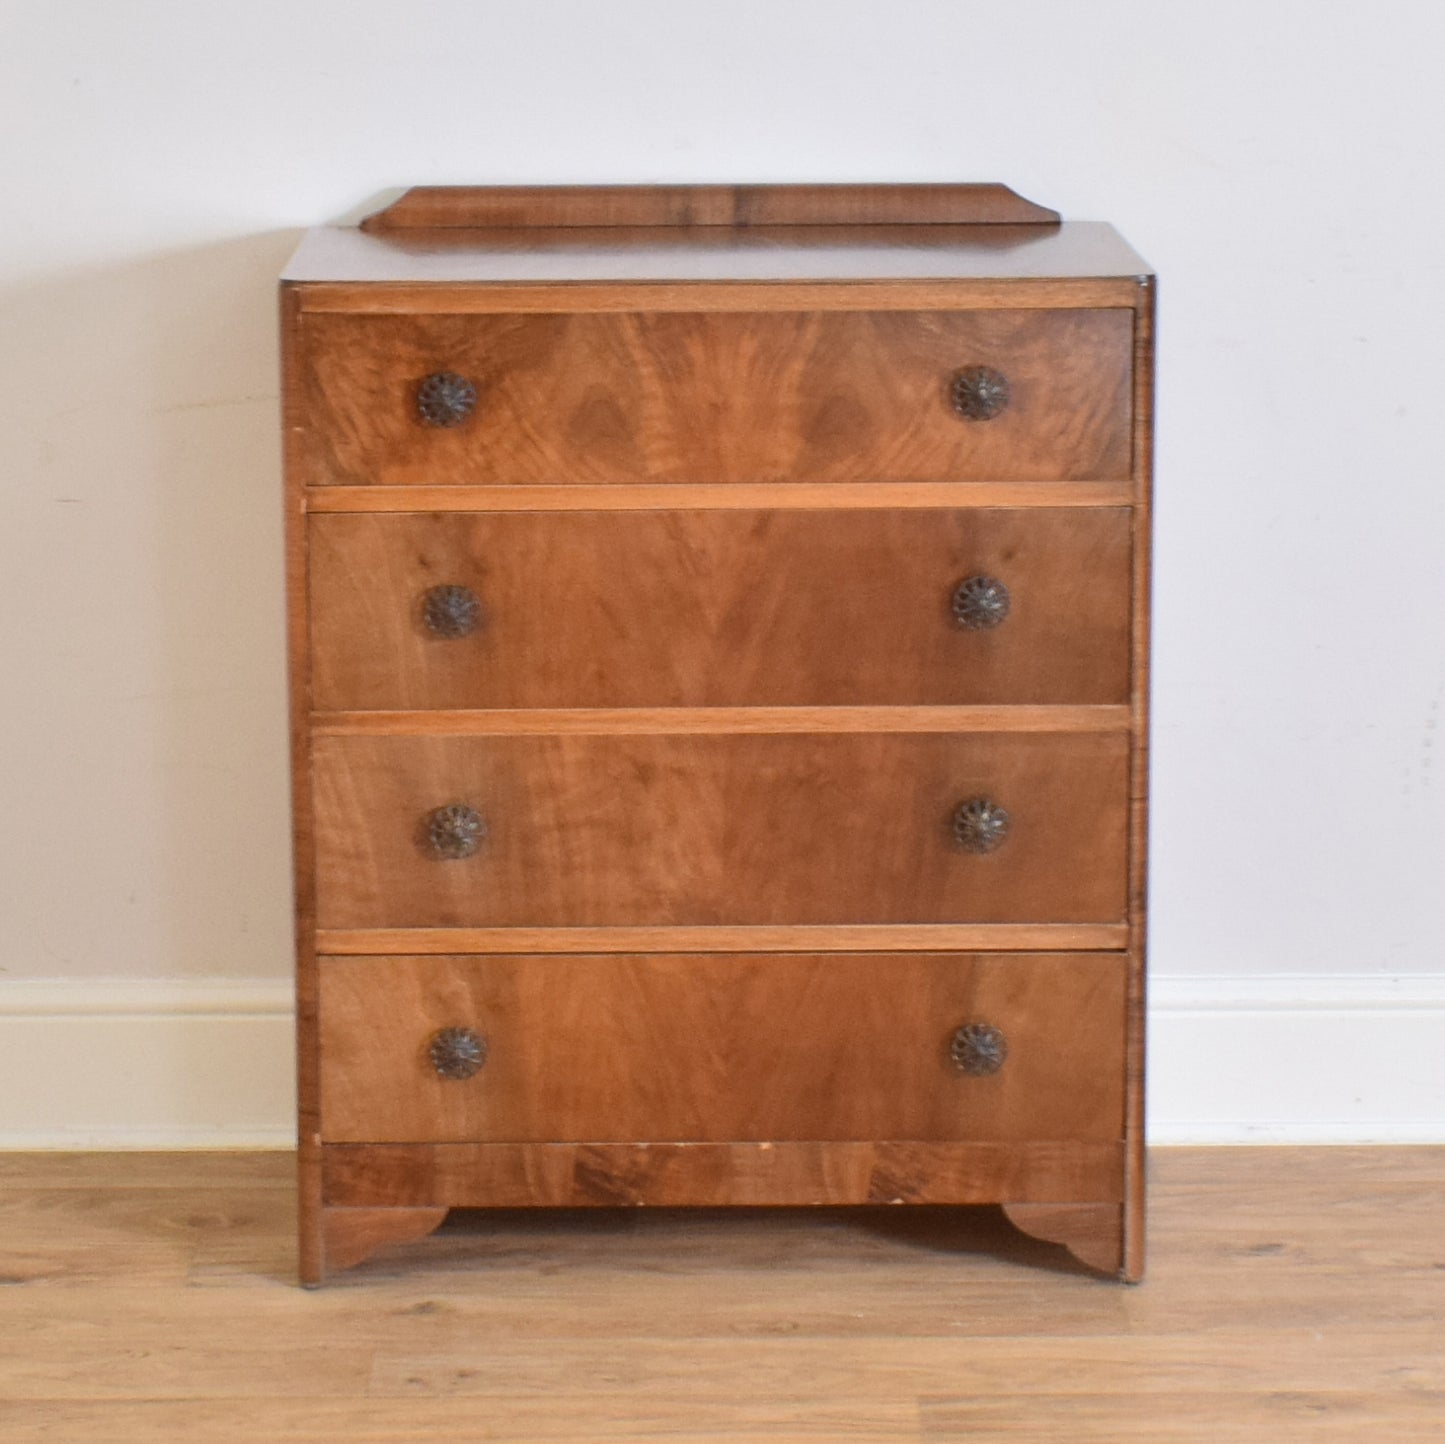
(146, 1064)
(1297, 1059)
(174, 1064)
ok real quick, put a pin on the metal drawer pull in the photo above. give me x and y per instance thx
(980, 603)
(453, 832)
(450, 611)
(978, 1049)
(445, 399)
(457, 1052)
(979, 393)
(980, 825)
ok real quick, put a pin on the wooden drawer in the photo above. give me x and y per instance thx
(701, 829)
(715, 397)
(724, 1047)
(716, 608)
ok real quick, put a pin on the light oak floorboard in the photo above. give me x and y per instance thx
(1292, 1295)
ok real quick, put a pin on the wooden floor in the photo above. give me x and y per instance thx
(1293, 1295)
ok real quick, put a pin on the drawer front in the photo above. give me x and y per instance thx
(637, 830)
(717, 397)
(709, 608)
(722, 1047)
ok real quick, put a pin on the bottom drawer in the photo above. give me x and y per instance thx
(722, 1047)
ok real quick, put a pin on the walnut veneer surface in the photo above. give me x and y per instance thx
(664, 608)
(716, 396)
(718, 628)
(651, 1047)
(829, 827)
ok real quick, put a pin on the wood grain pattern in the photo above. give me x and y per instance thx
(445, 283)
(352, 1235)
(688, 1175)
(706, 205)
(717, 830)
(714, 608)
(1092, 1232)
(1294, 1298)
(722, 1048)
(1053, 258)
(1142, 553)
(670, 397)
(615, 721)
(298, 678)
(798, 495)
(697, 408)
(895, 937)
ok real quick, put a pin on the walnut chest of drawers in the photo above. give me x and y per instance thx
(718, 654)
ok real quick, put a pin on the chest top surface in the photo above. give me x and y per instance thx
(461, 235)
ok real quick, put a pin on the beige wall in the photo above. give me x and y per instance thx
(1277, 161)
(145, 828)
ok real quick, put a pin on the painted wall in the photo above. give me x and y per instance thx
(1278, 161)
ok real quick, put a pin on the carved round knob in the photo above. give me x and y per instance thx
(978, 1049)
(980, 603)
(454, 832)
(445, 399)
(450, 611)
(979, 393)
(457, 1052)
(979, 825)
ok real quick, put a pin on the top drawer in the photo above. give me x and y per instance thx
(830, 396)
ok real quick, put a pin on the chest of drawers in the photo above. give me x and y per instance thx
(718, 625)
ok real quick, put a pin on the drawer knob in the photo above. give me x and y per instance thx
(450, 611)
(454, 832)
(979, 825)
(979, 393)
(978, 1049)
(445, 399)
(457, 1052)
(980, 603)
